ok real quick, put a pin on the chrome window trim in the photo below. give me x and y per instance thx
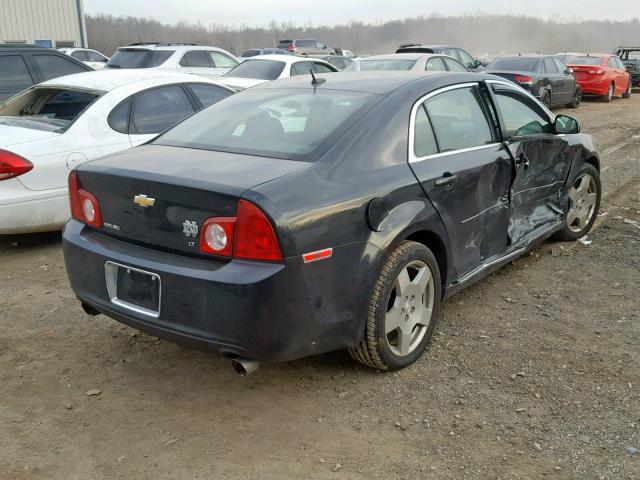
(518, 89)
(412, 125)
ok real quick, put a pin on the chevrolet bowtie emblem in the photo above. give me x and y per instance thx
(144, 201)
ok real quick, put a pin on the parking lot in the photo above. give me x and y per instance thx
(533, 373)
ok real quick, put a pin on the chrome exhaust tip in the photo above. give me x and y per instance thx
(243, 366)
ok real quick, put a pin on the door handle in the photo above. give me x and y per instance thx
(447, 180)
(523, 160)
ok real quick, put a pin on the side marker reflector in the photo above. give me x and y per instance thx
(318, 255)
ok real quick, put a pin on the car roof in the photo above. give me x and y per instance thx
(288, 59)
(380, 83)
(153, 46)
(401, 56)
(106, 80)
(524, 55)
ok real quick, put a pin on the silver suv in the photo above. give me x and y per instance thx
(306, 47)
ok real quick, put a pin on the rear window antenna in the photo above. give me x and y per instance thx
(316, 81)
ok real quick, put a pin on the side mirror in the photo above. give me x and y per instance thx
(569, 71)
(477, 63)
(564, 124)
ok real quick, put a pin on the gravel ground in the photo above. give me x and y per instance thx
(533, 373)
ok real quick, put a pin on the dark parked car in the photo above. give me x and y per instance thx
(299, 217)
(630, 56)
(24, 66)
(339, 61)
(545, 76)
(472, 64)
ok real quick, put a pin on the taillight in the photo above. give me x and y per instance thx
(217, 236)
(248, 236)
(84, 205)
(596, 72)
(12, 165)
(291, 48)
(523, 79)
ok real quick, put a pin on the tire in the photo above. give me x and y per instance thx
(546, 98)
(577, 98)
(582, 204)
(627, 94)
(394, 301)
(609, 96)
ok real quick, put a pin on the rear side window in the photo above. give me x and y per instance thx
(520, 119)
(15, 76)
(454, 65)
(550, 66)
(465, 58)
(209, 94)
(79, 55)
(158, 109)
(425, 141)
(95, 56)
(288, 124)
(458, 120)
(220, 60)
(301, 68)
(195, 58)
(139, 58)
(435, 65)
(54, 66)
(321, 68)
(119, 117)
(306, 43)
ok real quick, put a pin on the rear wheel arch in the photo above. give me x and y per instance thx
(433, 242)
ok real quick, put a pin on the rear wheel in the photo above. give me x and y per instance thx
(627, 94)
(584, 203)
(577, 98)
(403, 309)
(609, 96)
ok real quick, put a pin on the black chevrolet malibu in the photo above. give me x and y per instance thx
(297, 218)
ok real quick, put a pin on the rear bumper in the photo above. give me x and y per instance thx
(262, 311)
(598, 87)
(26, 211)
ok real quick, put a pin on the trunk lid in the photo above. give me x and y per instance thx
(585, 72)
(180, 187)
(13, 134)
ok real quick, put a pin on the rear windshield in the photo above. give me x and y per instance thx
(138, 58)
(294, 125)
(284, 43)
(583, 61)
(250, 53)
(370, 65)
(258, 69)
(46, 108)
(514, 64)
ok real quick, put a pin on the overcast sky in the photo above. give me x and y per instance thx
(260, 12)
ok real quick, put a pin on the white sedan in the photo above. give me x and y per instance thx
(265, 68)
(49, 129)
(91, 58)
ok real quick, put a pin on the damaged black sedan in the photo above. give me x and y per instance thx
(301, 217)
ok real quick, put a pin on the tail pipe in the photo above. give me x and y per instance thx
(243, 366)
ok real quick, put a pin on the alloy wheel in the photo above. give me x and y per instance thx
(610, 93)
(577, 97)
(409, 309)
(583, 197)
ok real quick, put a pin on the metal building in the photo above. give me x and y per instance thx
(49, 23)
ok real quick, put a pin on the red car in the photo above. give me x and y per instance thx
(601, 74)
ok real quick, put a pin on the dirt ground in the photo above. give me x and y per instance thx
(534, 373)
